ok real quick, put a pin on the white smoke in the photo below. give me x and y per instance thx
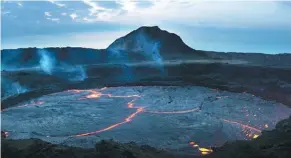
(11, 88)
(46, 62)
(79, 73)
(19, 89)
(71, 72)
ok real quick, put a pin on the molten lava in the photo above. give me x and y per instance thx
(130, 105)
(242, 125)
(126, 120)
(249, 131)
(5, 134)
(203, 151)
(255, 136)
(174, 112)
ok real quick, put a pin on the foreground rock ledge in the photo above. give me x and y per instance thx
(272, 144)
(35, 148)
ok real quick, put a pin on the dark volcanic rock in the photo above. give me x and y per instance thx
(266, 82)
(271, 144)
(35, 148)
(155, 42)
(142, 44)
(12, 59)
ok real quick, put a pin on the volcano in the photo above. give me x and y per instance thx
(147, 43)
(156, 91)
(155, 42)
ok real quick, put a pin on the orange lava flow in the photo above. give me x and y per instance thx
(174, 112)
(5, 133)
(203, 151)
(242, 125)
(248, 130)
(126, 120)
(94, 94)
(130, 105)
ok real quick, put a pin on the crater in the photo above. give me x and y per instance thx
(188, 119)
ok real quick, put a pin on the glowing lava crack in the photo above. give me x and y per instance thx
(177, 126)
(126, 120)
(94, 94)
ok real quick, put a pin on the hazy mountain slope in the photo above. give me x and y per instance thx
(35, 57)
(143, 44)
(259, 59)
(155, 43)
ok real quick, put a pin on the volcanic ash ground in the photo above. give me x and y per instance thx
(179, 119)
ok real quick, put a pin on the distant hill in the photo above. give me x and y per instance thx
(153, 41)
(143, 44)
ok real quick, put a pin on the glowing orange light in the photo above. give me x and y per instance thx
(130, 105)
(204, 153)
(242, 125)
(174, 112)
(191, 143)
(104, 88)
(127, 119)
(75, 90)
(6, 134)
(205, 150)
(95, 94)
(255, 136)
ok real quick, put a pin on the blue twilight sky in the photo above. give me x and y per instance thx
(240, 26)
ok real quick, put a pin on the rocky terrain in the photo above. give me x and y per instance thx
(35, 148)
(266, 82)
(271, 144)
(147, 56)
(142, 44)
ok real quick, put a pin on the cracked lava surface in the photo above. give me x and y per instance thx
(179, 119)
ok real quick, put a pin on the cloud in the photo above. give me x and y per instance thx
(127, 5)
(98, 13)
(6, 12)
(96, 40)
(229, 14)
(99, 40)
(54, 19)
(94, 7)
(193, 13)
(19, 4)
(47, 14)
(57, 3)
(86, 19)
(73, 16)
(60, 5)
